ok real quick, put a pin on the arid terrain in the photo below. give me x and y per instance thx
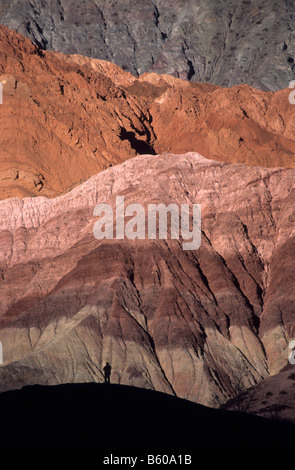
(223, 42)
(202, 324)
(65, 118)
(211, 325)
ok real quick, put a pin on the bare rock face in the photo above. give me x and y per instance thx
(65, 118)
(60, 122)
(224, 42)
(199, 324)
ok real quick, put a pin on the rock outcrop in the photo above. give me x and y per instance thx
(65, 118)
(224, 42)
(200, 324)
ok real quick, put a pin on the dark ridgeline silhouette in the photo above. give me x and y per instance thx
(73, 412)
(107, 373)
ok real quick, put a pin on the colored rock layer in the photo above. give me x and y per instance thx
(224, 42)
(201, 324)
(65, 118)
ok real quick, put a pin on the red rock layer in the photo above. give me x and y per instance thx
(65, 118)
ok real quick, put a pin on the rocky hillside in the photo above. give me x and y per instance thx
(272, 398)
(65, 118)
(201, 324)
(223, 42)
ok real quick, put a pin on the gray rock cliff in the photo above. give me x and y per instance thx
(225, 42)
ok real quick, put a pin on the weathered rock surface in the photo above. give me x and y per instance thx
(200, 324)
(224, 42)
(65, 118)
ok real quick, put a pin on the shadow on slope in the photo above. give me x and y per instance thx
(98, 416)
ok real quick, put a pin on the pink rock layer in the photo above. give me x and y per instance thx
(202, 324)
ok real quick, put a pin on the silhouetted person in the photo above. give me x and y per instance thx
(107, 373)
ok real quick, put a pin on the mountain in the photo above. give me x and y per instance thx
(223, 42)
(202, 324)
(114, 418)
(65, 118)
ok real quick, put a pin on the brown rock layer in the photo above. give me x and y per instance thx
(200, 324)
(65, 118)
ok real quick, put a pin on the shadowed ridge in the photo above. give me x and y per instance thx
(98, 416)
